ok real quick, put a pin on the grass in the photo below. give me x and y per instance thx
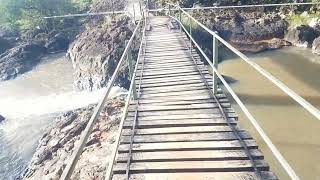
(301, 19)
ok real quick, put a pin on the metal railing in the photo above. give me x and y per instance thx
(213, 63)
(239, 6)
(127, 55)
(109, 171)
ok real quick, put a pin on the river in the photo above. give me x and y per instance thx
(293, 130)
(30, 104)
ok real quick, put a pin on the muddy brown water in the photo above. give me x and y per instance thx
(293, 130)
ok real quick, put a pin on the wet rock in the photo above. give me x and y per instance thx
(316, 46)
(20, 59)
(96, 52)
(259, 46)
(1, 118)
(302, 36)
(246, 29)
(58, 143)
(58, 42)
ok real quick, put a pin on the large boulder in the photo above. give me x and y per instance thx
(19, 59)
(96, 52)
(302, 36)
(316, 46)
(58, 42)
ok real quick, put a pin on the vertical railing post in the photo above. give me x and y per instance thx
(190, 32)
(169, 10)
(140, 8)
(180, 19)
(155, 6)
(215, 64)
(134, 14)
(130, 67)
(112, 7)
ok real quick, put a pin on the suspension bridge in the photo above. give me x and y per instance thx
(177, 122)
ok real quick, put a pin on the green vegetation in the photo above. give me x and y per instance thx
(28, 14)
(302, 19)
(304, 15)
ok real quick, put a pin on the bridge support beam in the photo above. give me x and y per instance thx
(215, 63)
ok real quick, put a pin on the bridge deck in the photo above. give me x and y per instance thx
(180, 132)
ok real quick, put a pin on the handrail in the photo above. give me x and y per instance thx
(67, 172)
(238, 6)
(264, 136)
(86, 14)
(309, 107)
(108, 174)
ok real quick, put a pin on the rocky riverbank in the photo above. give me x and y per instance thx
(57, 144)
(253, 30)
(306, 36)
(20, 54)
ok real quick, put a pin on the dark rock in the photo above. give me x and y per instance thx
(7, 33)
(302, 36)
(1, 118)
(96, 52)
(245, 29)
(58, 42)
(4, 45)
(259, 46)
(316, 46)
(19, 59)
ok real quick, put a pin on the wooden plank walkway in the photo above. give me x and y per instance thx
(180, 131)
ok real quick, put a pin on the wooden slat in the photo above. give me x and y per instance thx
(184, 146)
(213, 155)
(175, 79)
(199, 176)
(183, 112)
(168, 103)
(178, 123)
(181, 82)
(192, 166)
(177, 130)
(186, 137)
(179, 117)
(143, 108)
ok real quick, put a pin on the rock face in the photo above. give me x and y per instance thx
(7, 39)
(4, 45)
(252, 31)
(58, 42)
(57, 144)
(1, 118)
(95, 53)
(20, 59)
(302, 36)
(316, 46)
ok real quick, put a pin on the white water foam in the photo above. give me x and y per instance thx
(12, 107)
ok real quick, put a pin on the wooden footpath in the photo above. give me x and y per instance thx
(182, 131)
